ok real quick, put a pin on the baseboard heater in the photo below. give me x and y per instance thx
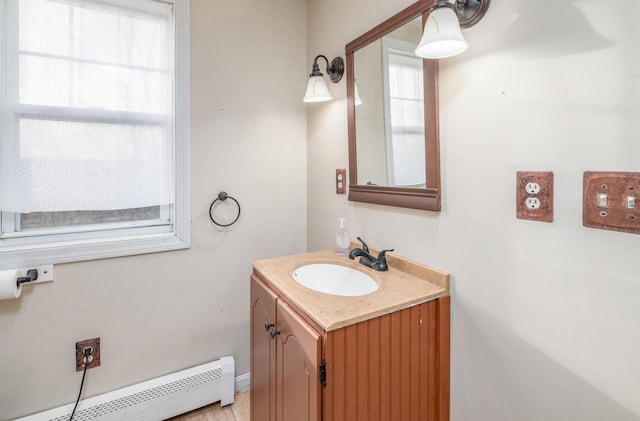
(156, 399)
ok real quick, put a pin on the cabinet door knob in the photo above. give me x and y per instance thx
(273, 333)
(268, 326)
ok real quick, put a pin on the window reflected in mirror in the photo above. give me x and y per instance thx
(390, 118)
(404, 114)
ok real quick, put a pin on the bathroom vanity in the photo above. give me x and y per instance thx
(380, 356)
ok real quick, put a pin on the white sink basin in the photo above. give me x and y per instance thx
(334, 280)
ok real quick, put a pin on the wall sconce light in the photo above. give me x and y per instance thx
(317, 90)
(442, 37)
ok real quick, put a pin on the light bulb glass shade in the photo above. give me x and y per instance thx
(442, 37)
(317, 90)
(356, 94)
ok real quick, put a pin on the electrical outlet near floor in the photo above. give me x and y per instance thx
(534, 195)
(94, 358)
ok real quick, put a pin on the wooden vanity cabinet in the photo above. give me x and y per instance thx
(390, 368)
(285, 359)
(263, 352)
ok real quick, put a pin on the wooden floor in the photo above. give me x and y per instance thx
(238, 411)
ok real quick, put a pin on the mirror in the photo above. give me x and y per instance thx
(393, 115)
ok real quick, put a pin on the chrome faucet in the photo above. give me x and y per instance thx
(379, 263)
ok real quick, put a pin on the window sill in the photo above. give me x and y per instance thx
(76, 251)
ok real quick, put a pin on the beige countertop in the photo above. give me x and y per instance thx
(405, 284)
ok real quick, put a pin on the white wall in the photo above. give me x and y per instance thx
(159, 313)
(545, 316)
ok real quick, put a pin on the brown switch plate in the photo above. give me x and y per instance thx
(80, 346)
(527, 199)
(341, 181)
(611, 201)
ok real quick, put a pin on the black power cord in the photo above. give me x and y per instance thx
(87, 353)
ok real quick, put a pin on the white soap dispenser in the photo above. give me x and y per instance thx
(342, 239)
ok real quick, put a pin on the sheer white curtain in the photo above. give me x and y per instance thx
(86, 113)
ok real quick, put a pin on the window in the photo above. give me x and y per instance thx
(404, 113)
(93, 129)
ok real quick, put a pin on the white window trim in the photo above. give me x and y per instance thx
(180, 238)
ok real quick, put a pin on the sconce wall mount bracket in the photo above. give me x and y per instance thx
(469, 12)
(335, 69)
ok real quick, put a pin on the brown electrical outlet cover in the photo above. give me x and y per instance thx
(614, 213)
(80, 346)
(545, 180)
(341, 181)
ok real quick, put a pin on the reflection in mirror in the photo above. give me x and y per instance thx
(393, 115)
(390, 119)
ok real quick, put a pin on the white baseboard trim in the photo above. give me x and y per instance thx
(243, 382)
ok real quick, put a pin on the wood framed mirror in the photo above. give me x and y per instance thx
(392, 107)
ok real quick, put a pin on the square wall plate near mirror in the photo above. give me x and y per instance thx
(392, 103)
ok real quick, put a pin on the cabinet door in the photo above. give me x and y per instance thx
(263, 352)
(298, 355)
